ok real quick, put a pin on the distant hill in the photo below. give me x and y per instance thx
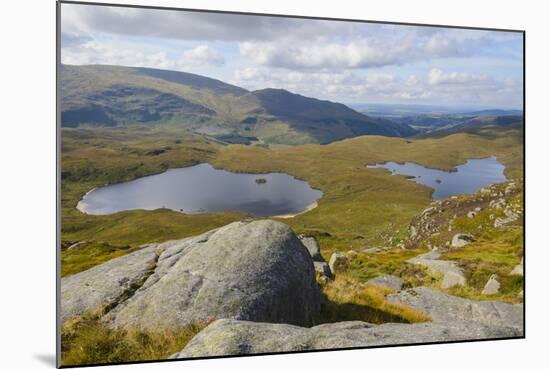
(478, 124)
(496, 112)
(486, 121)
(101, 95)
(325, 119)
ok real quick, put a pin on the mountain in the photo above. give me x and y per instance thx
(325, 118)
(102, 95)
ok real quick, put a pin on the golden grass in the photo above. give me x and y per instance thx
(347, 299)
(87, 340)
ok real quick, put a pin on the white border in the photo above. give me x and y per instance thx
(27, 208)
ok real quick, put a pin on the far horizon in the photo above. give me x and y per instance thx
(348, 62)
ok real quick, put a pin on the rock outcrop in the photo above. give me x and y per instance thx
(312, 246)
(518, 269)
(510, 217)
(100, 288)
(452, 274)
(256, 271)
(492, 286)
(323, 270)
(453, 319)
(338, 263)
(451, 323)
(452, 310)
(387, 281)
(461, 240)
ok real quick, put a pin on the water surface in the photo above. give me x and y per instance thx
(468, 178)
(203, 189)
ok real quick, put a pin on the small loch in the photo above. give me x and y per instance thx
(467, 178)
(204, 189)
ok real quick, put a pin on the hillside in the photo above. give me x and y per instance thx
(480, 125)
(100, 95)
(325, 119)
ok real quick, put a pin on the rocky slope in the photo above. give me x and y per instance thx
(232, 337)
(256, 282)
(493, 206)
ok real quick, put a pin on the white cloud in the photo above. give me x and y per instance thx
(189, 25)
(437, 86)
(354, 54)
(85, 50)
(93, 52)
(393, 48)
(438, 77)
(442, 46)
(201, 55)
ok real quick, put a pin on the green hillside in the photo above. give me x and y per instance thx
(100, 95)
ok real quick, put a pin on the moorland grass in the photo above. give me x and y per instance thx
(360, 207)
(347, 299)
(87, 340)
(88, 255)
(495, 251)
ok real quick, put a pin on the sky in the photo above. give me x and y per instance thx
(348, 62)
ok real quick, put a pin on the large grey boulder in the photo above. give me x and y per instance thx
(444, 308)
(99, 288)
(257, 271)
(232, 337)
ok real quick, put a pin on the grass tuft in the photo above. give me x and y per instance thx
(87, 340)
(347, 299)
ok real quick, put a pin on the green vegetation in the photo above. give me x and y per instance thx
(86, 254)
(496, 251)
(347, 299)
(363, 207)
(366, 266)
(360, 208)
(87, 340)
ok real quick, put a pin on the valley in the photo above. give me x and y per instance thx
(383, 250)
